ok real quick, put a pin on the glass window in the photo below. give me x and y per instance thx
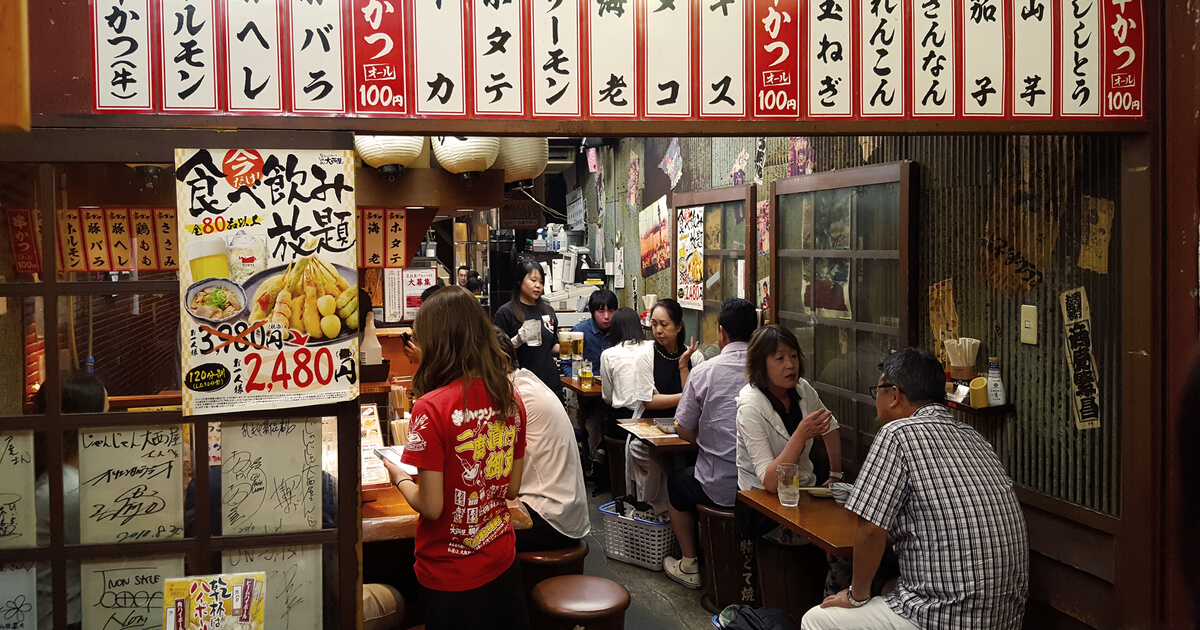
(877, 214)
(22, 355)
(94, 333)
(795, 275)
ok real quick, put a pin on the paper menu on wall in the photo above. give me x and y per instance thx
(374, 475)
(230, 600)
(18, 598)
(271, 476)
(293, 583)
(131, 482)
(126, 594)
(18, 520)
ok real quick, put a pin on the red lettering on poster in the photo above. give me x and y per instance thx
(23, 235)
(242, 167)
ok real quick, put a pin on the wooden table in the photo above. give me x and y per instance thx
(390, 517)
(822, 521)
(579, 389)
(669, 443)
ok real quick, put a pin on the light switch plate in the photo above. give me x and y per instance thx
(1029, 324)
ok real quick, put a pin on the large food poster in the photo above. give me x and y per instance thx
(269, 283)
(689, 224)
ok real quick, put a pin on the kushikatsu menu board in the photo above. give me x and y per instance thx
(268, 282)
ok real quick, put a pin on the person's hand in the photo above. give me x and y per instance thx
(813, 425)
(828, 480)
(412, 353)
(685, 359)
(519, 339)
(839, 599)
(395, 474)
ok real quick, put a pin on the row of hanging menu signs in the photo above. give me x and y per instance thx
(623, 59)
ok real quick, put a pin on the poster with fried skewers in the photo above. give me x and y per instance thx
(268, 278)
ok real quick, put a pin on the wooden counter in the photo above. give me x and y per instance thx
(822, 521)
(390, 517)
(580, 390)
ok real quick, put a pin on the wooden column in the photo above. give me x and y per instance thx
(14, 65)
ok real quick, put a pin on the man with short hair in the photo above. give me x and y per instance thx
(707, 417)
(935, 487)
(463, 271)
(602, 304)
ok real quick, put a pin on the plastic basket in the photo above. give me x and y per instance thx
(636, 541)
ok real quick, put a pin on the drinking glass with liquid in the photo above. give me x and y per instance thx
(787, 484)
(585, 373)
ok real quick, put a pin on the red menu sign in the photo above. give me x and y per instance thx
(776, 59)
(23, 235)
(378, 44)
(1125, 63)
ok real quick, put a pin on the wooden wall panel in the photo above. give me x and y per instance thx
(14, 65)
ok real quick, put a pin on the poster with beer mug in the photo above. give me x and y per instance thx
(268, 278)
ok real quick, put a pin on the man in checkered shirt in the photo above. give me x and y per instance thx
(936, 489)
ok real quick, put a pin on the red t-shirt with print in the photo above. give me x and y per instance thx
(474, 448)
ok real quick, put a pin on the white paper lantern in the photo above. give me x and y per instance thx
(382, 152)
(461, 154)
(522, 158)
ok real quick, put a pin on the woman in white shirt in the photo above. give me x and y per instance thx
(780, 414)
(552, 486)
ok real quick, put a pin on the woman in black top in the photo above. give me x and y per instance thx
(527, 303)
(673, 359)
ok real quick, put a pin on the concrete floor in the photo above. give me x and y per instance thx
(658, 603)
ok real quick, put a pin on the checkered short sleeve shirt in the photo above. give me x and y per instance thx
(939, 490)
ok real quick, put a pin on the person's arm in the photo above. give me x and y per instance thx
(412, 352)
(514, 480)
(870, 540)
(663, 401)
(606, 380)
(424, 497)
(811, 426)
(833, 446)
(685, 362)
(687, 414)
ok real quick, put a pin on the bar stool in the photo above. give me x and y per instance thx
(542, 565)
(729, 569)
(567, 601)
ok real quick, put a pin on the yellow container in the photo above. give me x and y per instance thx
(979, 395)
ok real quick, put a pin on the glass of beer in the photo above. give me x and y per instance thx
(585, 373)
(577, 345)
(564, 346)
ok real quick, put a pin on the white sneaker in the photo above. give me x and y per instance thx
(690, 580)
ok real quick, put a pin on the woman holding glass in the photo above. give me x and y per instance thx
(531, 324)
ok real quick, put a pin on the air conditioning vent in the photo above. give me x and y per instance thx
(562, 155)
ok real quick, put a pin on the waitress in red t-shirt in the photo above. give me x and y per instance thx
(467, 440)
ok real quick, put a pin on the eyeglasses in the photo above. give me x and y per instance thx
(874, 389)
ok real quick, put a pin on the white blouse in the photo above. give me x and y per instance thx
(627, 376)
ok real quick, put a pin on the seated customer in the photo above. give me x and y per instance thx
(552, 486)
(602, 305)
(964, 557)
(779, 414)
(707, 417)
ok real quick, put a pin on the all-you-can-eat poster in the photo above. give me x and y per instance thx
(268, 281)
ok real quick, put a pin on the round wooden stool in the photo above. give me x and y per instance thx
(542, 565)
(567, 601)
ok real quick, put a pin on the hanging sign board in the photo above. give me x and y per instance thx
(689, 223)
(269, 283)
(613, 59)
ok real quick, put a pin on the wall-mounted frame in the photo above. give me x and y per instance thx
(843, 270)
(730, 225)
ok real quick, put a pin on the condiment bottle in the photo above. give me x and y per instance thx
(370, 351)
(995, 386)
